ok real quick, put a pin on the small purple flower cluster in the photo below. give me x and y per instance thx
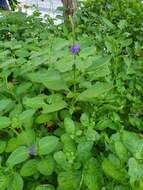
(75, 49)
(32, 150)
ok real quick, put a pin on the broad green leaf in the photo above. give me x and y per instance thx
(2, 146)
(22, 88)
(108, 23)
(55, 107)
(93, 175)
(64, 64)
(5, 53)
(26, 118)
(19, 155)
(60, 43)
(139, 150)
(12, 144)
(135, 169)
(105, 123)
(44, 118)
(84, 119)
(45, 187)
(96, 91)
(112, 169)
(60, 158)
(122, 24)
(83, 65)
(136, 174)
(16, 182)
(99, 68)
(46, 166)
(26, 137)
(130, 140)
(4, 122)
(50, 79)
(22, 53)
(84, 150)
(92, 135)
(4, 181)
(98, 62)
(29, 168)
(69, 126)
(69, 145)
(69, 180)
(121, 151)
(48, 145)
(6, 104)
(87, 51)
(35, 102)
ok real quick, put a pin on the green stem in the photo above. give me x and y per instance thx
(14, 131)
(81, 182)
(73, 29)
(73, 40)
(74, 70)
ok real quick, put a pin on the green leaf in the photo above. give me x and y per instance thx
(46, 166)
(2, 146)
(48, 145)
(19, 155)
(4, 181)
(69, 180)
(69, 126)
(87, 51)
(60, 158)
(122, 24)
(44, 118)
(93, 178)
(60, 43)
(84, 119)
(55, 107)
(69, 145)
(108, 23)
(136, 174)
(4, 122)
(50, 79)
(139, 151)
(26, 117)
(112, 168)
(99, 68)
(16, 182)
(34, 103)
(135, 169)
(26, 137)
(121, 151)
(29, 168)
(12, 145)
(23, 88)
(130, 140)
(84, 150)
(6, 104)
(45, 187)
(65, 63)
(95, 91)
(92, 135)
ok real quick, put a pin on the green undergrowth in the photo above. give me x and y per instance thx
(72, 122)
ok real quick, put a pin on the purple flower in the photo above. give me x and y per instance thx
(75, 49)
(32, 150)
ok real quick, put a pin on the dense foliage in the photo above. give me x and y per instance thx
(72, 121)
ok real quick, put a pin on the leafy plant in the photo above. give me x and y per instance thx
(71, 103)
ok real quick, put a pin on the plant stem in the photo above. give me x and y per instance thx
(74, 70)
(81, 182)
(73, 41)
